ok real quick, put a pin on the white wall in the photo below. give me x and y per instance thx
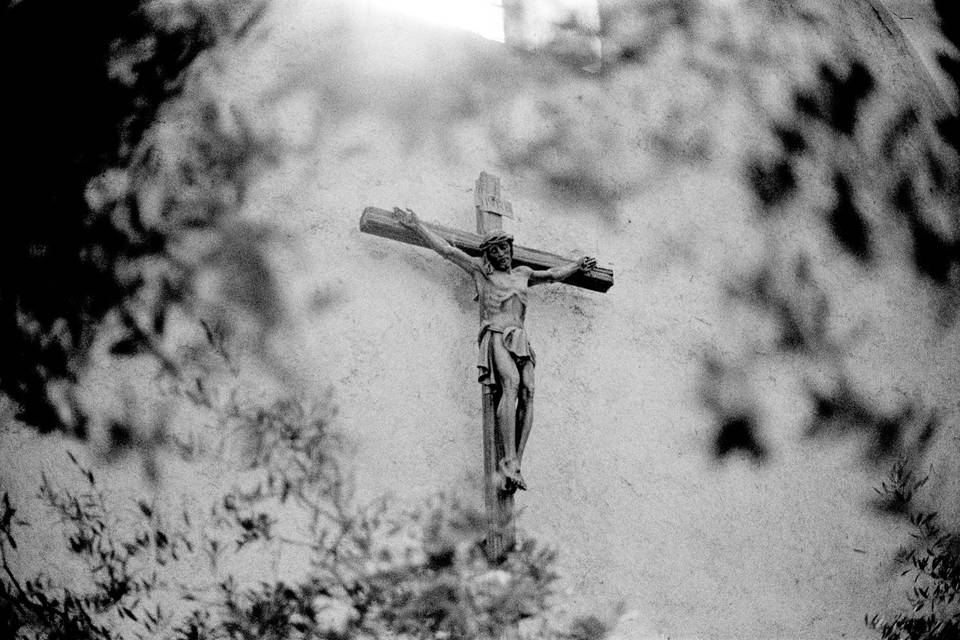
(620, 475)
(384, 113)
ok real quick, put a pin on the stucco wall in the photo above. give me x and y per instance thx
(619, 471)
(621, 479)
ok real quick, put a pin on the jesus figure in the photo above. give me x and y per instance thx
(506, 358)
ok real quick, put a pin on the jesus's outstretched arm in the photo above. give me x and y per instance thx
(410, 220)
(559, 274)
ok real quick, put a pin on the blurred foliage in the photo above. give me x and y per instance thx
(839, 162)
(110, 220)
(121, 568)
(932, 564)
(884, 169)
(873, 166)
(363, 571)
(889, 161)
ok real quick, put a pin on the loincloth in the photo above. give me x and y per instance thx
(516, 342)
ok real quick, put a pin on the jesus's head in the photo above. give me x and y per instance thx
(497, 247)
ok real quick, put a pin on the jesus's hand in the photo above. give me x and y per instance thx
(407, 218)
(587, 263)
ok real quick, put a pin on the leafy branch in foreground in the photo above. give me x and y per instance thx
(933, 563)
(361, 570)
(122, 557)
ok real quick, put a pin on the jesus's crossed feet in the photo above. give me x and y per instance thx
(510, 478)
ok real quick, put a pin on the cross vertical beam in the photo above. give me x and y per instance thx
(501, 529)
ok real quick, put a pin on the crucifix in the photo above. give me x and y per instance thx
(501, 273)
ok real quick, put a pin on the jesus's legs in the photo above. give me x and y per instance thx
(524, 406)
(508, 377)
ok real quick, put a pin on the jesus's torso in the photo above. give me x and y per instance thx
(503, 298)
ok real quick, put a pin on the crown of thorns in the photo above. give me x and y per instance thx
(493, 238)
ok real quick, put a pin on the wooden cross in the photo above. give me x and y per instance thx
(490, 207)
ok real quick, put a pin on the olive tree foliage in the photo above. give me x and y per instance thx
(110, 222)
(931, 562)
(363, 571)
(148, 566)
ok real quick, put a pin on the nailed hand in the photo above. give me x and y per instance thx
(406, 217)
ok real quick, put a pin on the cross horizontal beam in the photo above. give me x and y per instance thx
(380, 222)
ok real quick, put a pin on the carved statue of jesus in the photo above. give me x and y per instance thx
(506, 358)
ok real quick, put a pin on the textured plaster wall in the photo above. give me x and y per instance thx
(618, 465)
(620, 475)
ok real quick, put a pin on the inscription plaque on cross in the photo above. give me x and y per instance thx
(501, 273)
